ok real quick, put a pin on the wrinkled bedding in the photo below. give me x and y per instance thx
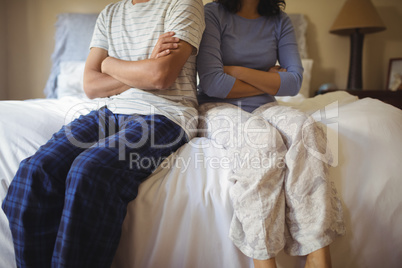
(182, 215)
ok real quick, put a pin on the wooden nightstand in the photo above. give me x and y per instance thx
(391, 97)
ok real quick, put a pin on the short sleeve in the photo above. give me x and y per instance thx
(186, 19)
(99, 38)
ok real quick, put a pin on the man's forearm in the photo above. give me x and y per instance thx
(159, 73)
(97, 84)
(106, 76)
(101, 85)
(138, 74)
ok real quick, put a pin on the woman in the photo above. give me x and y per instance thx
(291, 206)
(289, 203)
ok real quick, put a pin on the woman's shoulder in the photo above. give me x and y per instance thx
(211, 5)
(282, 20)
(215, 9)
(282, 16)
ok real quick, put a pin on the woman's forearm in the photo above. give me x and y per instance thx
(241, 89)
(266, 82)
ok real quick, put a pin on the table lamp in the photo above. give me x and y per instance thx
(357, 18)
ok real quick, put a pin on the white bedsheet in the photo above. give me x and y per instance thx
(181, 217)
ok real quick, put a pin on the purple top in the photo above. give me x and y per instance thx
(254, 43)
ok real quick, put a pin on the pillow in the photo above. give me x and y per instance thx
(300, 26)
(72, 39)
(305, 87)
(70, 81)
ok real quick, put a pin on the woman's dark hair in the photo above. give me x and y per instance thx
(265, 8)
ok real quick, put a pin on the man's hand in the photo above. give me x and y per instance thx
(165, 44)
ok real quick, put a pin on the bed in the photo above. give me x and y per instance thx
(182, 215)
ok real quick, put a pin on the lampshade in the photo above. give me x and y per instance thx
(357, 14)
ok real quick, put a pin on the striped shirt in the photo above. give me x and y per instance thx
(130, 32)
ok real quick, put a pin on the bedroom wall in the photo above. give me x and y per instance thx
(30, 30)
(30, 25)
(3, 63)
(331, 52)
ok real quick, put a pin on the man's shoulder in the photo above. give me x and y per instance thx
(117, 4)
(194, 3)
(113, 7)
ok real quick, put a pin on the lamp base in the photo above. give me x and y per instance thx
(356, 56)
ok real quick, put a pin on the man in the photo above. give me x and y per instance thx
(67, 202)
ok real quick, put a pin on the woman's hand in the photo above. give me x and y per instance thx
(165, 44)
